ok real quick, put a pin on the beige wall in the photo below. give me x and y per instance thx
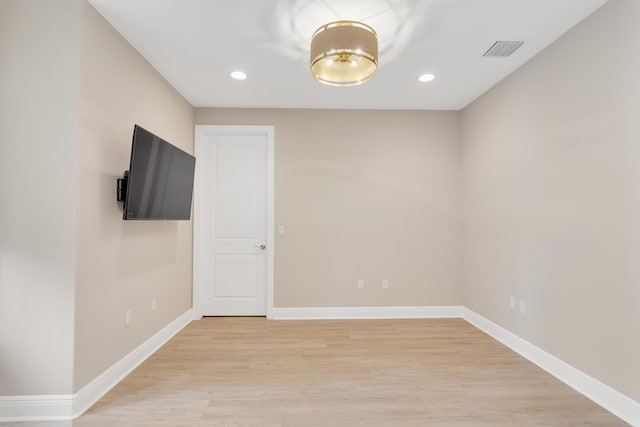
(552, 198)
(71, 90)
(122, 265)
(38, 135)
(362, 194)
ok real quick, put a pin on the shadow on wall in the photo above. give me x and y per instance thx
(136, 247)
(146, 246)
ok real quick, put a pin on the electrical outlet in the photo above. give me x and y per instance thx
(154, 304)
(281, 230)
(512, 302)
(360, 283)
(127, 318)
(385, 283)
(523, 307)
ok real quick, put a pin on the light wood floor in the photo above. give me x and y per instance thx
(228, 372)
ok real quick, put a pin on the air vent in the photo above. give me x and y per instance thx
(502, 49)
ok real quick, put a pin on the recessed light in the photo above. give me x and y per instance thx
(238, 75)
(426, 78)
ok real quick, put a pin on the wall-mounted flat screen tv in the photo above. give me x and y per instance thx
(159, 182)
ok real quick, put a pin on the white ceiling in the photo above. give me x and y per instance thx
(195, 44)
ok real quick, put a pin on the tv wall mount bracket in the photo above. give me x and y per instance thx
(121, 187)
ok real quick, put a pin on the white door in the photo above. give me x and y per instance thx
(233, 221)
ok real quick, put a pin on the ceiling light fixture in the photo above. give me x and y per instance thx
(238, 75)
(344, 53)
(426, 78)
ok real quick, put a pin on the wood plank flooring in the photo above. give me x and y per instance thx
(228, 372)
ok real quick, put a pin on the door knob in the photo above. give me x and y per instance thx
(262, 247)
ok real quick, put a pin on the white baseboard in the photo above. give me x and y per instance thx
(36, 408)
(399, 312)
(605, 396)
(68, 407)
(97, 388)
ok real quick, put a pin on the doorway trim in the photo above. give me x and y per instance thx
(200, 132)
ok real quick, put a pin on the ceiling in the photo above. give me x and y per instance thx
(196, 44)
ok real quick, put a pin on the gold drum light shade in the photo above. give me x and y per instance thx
(344, 53)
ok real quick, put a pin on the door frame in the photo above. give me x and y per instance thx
(201, 131)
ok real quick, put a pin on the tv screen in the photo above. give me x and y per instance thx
(160, 179)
